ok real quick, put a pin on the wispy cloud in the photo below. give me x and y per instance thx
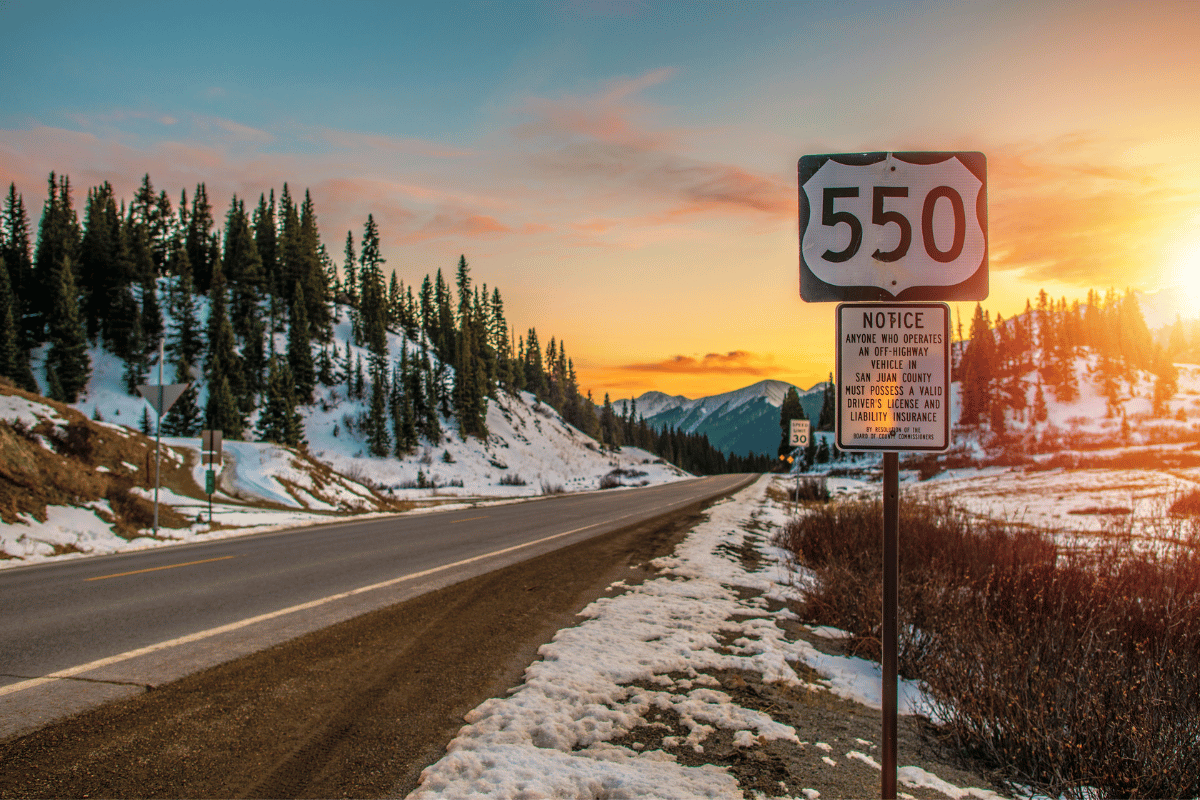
(735, 362)
(607, 143)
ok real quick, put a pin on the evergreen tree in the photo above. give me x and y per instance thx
(185, 417)
(266, 242)
(610, 433)
(200, 241)
(324, 366)
(14, 358)
(243, 269)
(428, 310)
(14, 248)
(226, 378)
(58, 242)
(299, 352)
(10, 350)
(789, 410)
(978, 370)
(137, 364)
(826, 420)
(351, 272)
(311, 273)
(377, 434)
(535, 376)
(1040, 412)
(443, 338)
(67, 357)
(279, 421)
(403, 408)
(185, 343)
(373, 303)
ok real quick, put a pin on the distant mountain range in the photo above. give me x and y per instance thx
(742, 421)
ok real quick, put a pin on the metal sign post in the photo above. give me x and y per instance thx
(161, 397)
(881, 228)
(210, 453)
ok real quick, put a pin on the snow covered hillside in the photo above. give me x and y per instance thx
(529, 451)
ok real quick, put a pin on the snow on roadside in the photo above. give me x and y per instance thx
(651, 646)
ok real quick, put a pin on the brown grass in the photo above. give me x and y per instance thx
(1063, 668)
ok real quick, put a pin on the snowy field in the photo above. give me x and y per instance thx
(652, 646)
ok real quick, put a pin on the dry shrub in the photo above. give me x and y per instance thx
(1187, 505)
(135, 513)
(1064, 669)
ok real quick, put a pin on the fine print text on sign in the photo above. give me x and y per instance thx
(893, 376)
(893, 226)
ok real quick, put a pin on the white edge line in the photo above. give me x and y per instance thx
(30, 683)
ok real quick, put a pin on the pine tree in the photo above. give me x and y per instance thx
(978, 370)
(377, 434)
(351, 271)
(68, 355)
(185, 417)
(311, 273)
(428, 310)
(443, 338)
(58, 242)
(14, 358)
(789, 410)
(535, 375)
(373, 303)
(10, 349)
(266, 242)
(185, 343)
(137, 363)
(200, 241)
(299, 352)
(14, 248)
(279, 421)
(826, 419)
(224, 366)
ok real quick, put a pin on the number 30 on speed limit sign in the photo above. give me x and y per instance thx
(800, 429)
(893, 226)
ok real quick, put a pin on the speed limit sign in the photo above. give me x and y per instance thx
(893, 226)
(800, 432)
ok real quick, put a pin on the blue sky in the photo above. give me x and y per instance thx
(625, 173)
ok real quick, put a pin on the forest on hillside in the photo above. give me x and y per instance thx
(107, 281)
(1000, 361)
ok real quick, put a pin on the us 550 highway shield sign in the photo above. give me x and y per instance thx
(893, 226)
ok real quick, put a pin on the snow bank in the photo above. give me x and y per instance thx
(649, 647)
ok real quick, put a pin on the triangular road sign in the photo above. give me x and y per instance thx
(161, 401)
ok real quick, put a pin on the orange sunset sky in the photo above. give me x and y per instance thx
(625, 172)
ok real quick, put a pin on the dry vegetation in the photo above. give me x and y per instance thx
(1064, 668)
(83, 462)
(79, 463)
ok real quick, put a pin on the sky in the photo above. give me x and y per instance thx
(626, 172)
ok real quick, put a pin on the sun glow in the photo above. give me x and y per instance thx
(1183, 265)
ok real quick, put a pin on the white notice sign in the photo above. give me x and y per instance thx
(893, 368)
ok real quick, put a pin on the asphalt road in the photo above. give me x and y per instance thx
(78, 633)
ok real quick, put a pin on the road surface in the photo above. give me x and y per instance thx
(78, 633)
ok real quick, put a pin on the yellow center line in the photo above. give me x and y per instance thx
(468, 519)
(156, 569)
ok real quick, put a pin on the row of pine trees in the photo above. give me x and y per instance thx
(1001, 361)
(274, 295)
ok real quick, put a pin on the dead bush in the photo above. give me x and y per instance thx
(1064, 669)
